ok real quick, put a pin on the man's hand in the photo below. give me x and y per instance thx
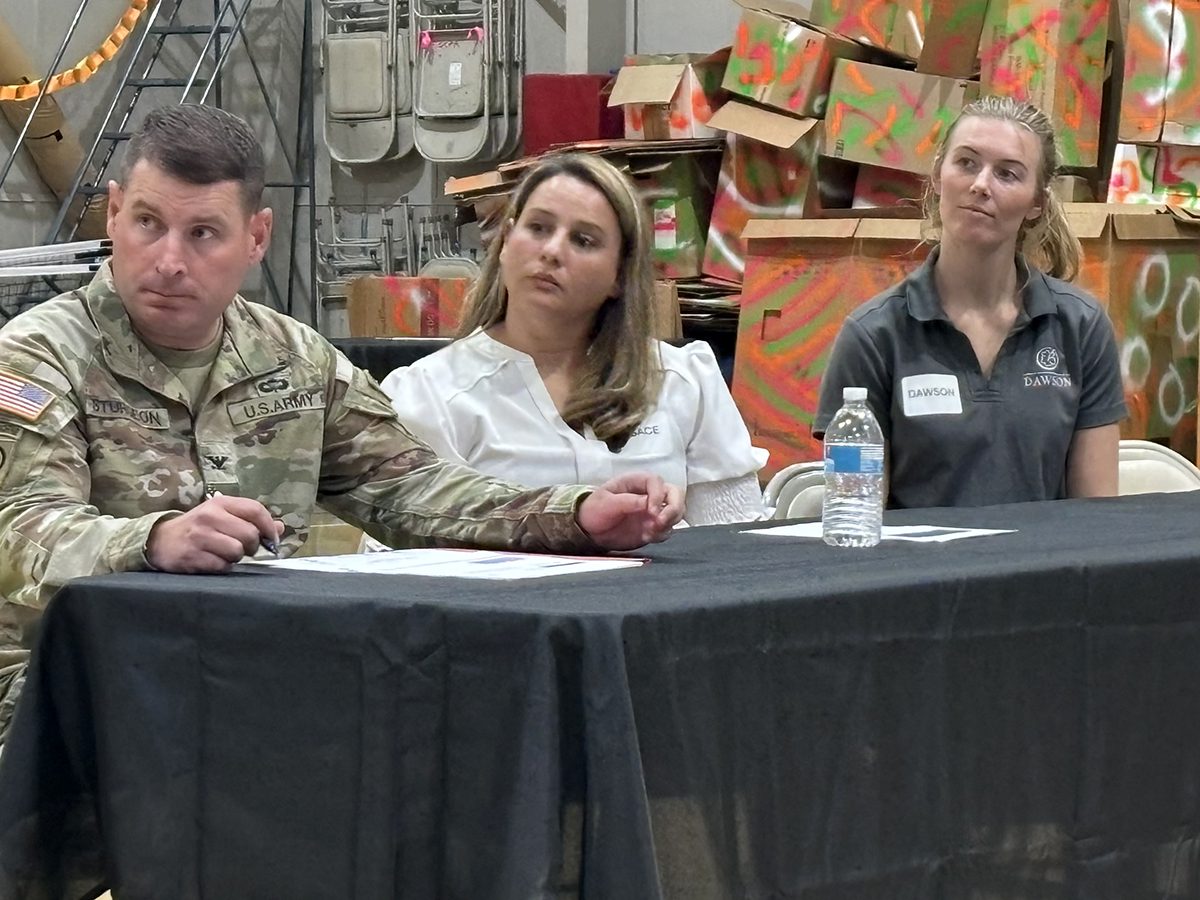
(629, 511)
(212, 536)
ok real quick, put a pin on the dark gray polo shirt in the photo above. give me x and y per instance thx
(954, 437)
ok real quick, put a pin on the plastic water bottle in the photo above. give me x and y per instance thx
(852, 511)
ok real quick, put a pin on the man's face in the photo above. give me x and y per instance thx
(180, 253)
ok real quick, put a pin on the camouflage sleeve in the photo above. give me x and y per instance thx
(376, 474)
(49, 533)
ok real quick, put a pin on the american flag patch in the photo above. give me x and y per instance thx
(24, 398)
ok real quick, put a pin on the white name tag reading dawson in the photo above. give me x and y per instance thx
(931, 395)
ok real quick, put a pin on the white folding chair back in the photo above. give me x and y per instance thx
(1144, 467)
(783, 492)
(808, 502)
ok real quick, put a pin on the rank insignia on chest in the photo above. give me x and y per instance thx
(23, 398)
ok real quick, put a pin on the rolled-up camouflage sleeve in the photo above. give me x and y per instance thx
(376, 474)
(49, 532)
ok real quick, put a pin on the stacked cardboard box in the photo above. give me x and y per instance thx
(1157, 159)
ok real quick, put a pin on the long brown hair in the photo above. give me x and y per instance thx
(1048, 239)
(620, 379)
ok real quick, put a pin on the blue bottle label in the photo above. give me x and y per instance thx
(853, 459)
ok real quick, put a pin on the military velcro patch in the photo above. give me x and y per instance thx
(23, 398)
(242, 412)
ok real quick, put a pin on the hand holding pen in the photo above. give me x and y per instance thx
(212, 536)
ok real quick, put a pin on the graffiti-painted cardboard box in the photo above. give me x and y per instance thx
(1160, 96)
(1154, 303)
(802, 279)
(1091, 223)
(769, 170)
(786, 65)
(891, 117)
(667, 97)
(877, 187)
(1177, 175)
(1051, 53)
(399, 306)
(897, 26)
(952, 32)
(678, 190)
(1156, 175)
(1132, 176)
(941, 35)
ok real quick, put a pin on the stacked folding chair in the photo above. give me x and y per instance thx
(441, 253)
(468, 59)
(365, 68)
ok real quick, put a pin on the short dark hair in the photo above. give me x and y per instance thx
(200, 145)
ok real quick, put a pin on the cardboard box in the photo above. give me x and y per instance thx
(678, 189)
(1160, 97)
(798, 10)
(786, 65)
(1154, 302)
(1092, 224)
(941, 35)
(891, 117)
(667, 97)
(952, 32)
(399, 306)
(1156, 175)
(1177, 175)
(1051, 53)
(768, 171)
(898, 25)
(802, 279)
(668, 323)
(877, 188)
(1132, 177)
(1072, 189)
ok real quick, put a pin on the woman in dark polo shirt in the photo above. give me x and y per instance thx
(994, 381)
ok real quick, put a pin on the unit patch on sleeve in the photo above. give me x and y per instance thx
(23, 398)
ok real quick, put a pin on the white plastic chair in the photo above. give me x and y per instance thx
(1144, 467)
(807, 504)
(791, 483)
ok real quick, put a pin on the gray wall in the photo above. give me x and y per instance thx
(274, 34)
(699, 26)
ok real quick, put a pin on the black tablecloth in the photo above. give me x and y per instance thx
(1005, 717)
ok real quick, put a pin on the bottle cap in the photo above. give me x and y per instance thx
(852, 394)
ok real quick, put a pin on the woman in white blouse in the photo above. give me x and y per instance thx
(554, 379)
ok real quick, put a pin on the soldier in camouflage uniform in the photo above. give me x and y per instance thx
(156, 420)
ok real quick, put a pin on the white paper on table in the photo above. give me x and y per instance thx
(925, 534)
(450, 563)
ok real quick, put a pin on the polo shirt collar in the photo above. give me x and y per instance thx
(924, 305)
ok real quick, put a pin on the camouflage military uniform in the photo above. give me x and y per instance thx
(285, 419)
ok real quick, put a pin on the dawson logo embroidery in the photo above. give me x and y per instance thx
(218, 462)
(1047, 358)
